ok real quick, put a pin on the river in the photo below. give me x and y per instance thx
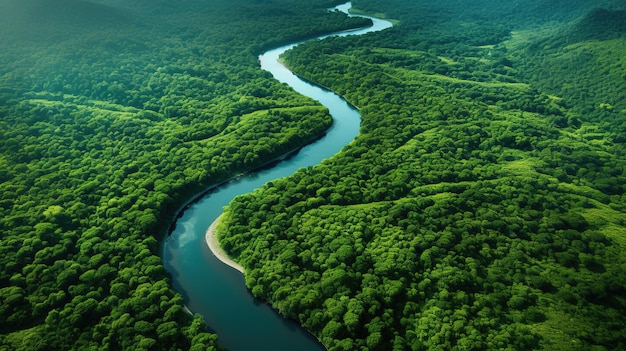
(218, 292)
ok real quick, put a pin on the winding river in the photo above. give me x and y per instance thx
(217, 291)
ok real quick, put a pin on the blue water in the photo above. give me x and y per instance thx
(217, 291)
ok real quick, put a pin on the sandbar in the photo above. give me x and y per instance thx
(211, 240)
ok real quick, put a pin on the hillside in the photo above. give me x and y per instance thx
(114, 114)
(482, 205)
(600, 24)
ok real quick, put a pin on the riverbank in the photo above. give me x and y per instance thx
(212, 242)
(218, 293)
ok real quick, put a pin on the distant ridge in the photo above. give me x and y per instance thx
(542, 11)
(60, 12)
(600, 24)
(597, 24)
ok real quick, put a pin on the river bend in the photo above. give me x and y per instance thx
(218, 292)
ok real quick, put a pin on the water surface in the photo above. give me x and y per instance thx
(217, 291)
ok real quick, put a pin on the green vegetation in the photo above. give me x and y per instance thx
(113, 114)
(481, 207)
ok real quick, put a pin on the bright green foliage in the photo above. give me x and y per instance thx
(482, 206)
(113, 114)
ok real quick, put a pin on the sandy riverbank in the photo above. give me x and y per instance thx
(216, 249)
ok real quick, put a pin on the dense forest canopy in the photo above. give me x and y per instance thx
(113, 114)
(481, 207)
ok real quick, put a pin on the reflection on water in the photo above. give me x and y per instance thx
(217, 291)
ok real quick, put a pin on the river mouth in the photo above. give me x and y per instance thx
(217, 291)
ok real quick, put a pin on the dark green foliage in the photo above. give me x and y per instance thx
(599, 24)
(113, 114)
(480, 208)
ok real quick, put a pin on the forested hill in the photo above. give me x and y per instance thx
(481, 207)
(112, 115)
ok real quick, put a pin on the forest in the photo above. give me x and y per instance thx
(481, 207)
(114, 114)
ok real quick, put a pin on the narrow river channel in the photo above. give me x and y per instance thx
(217, 291)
